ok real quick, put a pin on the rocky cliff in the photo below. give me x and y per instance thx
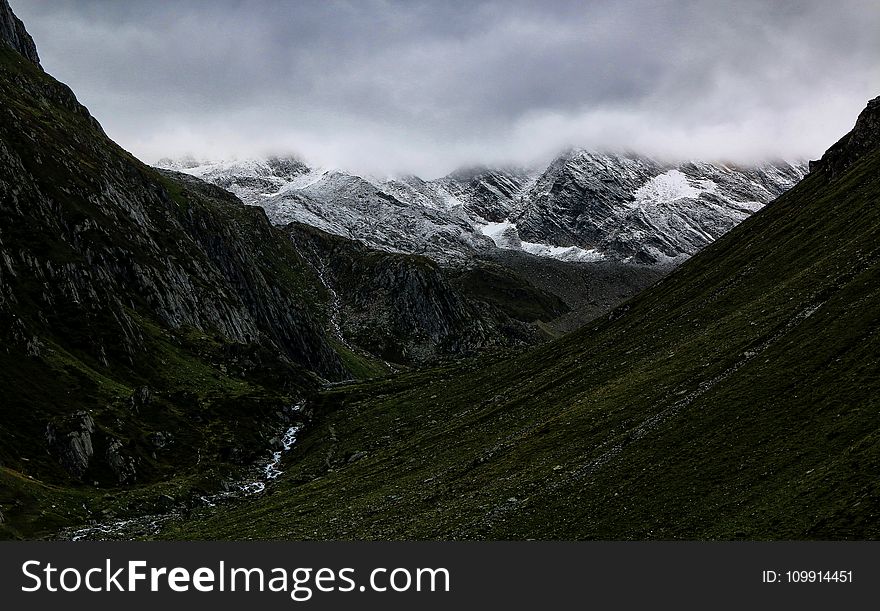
(862, 139)
(14, 34)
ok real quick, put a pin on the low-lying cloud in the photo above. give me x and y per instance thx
(426, 86)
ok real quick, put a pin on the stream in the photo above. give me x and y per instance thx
(146, 525)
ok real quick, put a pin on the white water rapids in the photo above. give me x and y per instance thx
(272, 469)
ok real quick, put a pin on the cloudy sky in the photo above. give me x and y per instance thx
(424, 86)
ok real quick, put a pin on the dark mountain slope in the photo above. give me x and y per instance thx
(407, 309)
(737, 398)
(133, 304)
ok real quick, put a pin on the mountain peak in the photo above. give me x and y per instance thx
(861, 140)
(13, 33)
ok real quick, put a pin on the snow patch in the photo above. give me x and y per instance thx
(505, 235)
(563, 253)
(303, 181)
(666, 188)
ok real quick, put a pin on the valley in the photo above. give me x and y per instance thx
(608, 346)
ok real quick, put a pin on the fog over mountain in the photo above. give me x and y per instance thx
(424, 87)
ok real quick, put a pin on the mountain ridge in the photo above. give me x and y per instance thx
(864, 137)
(584, 206)
(159, 337)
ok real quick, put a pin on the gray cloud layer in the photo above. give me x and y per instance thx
(424, 86)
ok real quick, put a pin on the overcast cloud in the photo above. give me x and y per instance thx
(423, 87)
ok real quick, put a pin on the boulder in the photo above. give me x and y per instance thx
(122, 465)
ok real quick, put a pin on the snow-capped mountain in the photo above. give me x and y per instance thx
(584, 206)
(635, 207)
(367, 210)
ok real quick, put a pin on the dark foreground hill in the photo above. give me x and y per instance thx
(738, 398)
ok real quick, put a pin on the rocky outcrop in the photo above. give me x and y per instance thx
(14, 34)
(863, 139)
(140, 398)
(121, 464)
(70, 441)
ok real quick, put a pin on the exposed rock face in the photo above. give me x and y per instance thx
(283, 316)
(71, 442)
(635, 208)
(140, 398)
(863, 139)
(487, 193)
(584, 206)
(159, 439)
(13, 33)
(408, 309)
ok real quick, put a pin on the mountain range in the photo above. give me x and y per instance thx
(607, 348)
(582, 207)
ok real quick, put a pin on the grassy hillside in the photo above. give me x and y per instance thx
(737, 398)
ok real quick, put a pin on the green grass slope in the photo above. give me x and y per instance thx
(737, 398)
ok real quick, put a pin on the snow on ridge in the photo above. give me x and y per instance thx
(506, 236)
(429, 194)
(200, 168)
(680, 207)
(669, 187)
(303, 181)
